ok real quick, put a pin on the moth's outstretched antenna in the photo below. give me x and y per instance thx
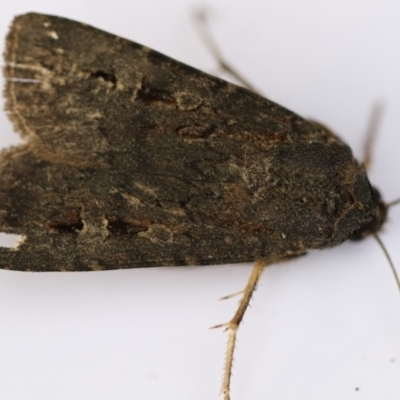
(393, 203)
(205, 33)
(396, 276)
(373, 125)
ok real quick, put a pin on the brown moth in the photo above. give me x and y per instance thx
(132, 159)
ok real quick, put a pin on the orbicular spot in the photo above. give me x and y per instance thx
(187, 101)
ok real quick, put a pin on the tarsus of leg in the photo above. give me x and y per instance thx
(233, 325)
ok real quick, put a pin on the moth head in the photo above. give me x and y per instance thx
(376, 223)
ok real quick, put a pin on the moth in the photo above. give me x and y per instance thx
(132, 159)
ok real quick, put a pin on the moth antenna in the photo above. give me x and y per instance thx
(393, 203)
(373, 127)
(396, 276)
(203, 28)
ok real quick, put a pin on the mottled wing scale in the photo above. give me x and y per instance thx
(132, 159)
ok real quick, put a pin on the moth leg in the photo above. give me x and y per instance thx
(233, 325)
(208, 39)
